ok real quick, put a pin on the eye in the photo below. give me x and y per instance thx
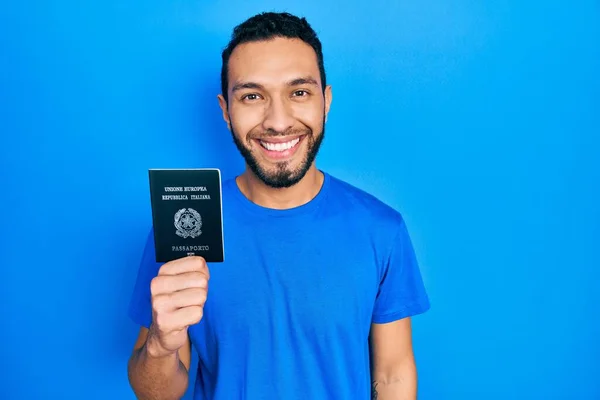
(250, 97)
(300, 93)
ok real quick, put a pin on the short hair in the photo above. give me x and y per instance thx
(269, 25)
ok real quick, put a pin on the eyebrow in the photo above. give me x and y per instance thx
(245, 85)
(307, 80)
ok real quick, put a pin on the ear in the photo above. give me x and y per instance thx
(223, 105)
(328, 99)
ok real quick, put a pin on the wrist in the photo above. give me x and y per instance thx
(155, 350)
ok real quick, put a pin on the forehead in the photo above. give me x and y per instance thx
(272, 62)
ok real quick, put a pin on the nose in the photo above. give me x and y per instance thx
(278, 116)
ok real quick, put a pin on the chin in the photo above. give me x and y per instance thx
(285, 173)
(279, 177)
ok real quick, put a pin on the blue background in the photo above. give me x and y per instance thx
(479, 121)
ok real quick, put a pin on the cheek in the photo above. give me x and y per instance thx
(311, 117)
(245, 119)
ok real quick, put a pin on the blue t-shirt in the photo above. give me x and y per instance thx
(289, 311)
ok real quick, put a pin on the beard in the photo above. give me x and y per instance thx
(282, 176)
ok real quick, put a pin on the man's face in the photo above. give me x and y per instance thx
(277, 109)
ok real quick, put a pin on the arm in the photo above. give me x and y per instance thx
(158, 377)
(394, 375)
(167, 299)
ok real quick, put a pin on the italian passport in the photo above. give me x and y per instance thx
(187, 213)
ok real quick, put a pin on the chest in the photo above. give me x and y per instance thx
(293, 277)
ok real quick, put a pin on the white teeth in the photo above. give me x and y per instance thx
(280, 146)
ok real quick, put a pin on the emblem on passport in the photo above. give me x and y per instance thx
(188, 223)
(187, 213)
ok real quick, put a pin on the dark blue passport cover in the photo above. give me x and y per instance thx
(187, 213)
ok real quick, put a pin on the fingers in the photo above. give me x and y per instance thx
(168, 303)
(179, 292)
(189, 315)
(180, 319)
(172, 283)
(185, 264)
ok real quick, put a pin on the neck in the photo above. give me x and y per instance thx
(301, 193)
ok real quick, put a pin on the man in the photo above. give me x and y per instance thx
(320, 280)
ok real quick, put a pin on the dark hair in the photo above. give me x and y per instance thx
(269, 25)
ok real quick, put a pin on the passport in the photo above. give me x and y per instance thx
(187, 213)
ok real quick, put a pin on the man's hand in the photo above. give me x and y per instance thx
(178, 294)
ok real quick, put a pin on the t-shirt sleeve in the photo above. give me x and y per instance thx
(401, 290)
(140, 306)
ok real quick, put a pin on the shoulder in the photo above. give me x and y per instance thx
(229, 190)
(228, 185)
(359, 204)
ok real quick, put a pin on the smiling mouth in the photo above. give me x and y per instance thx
(279, 146)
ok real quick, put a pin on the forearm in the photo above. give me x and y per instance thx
(154, 378)
(398, 385)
